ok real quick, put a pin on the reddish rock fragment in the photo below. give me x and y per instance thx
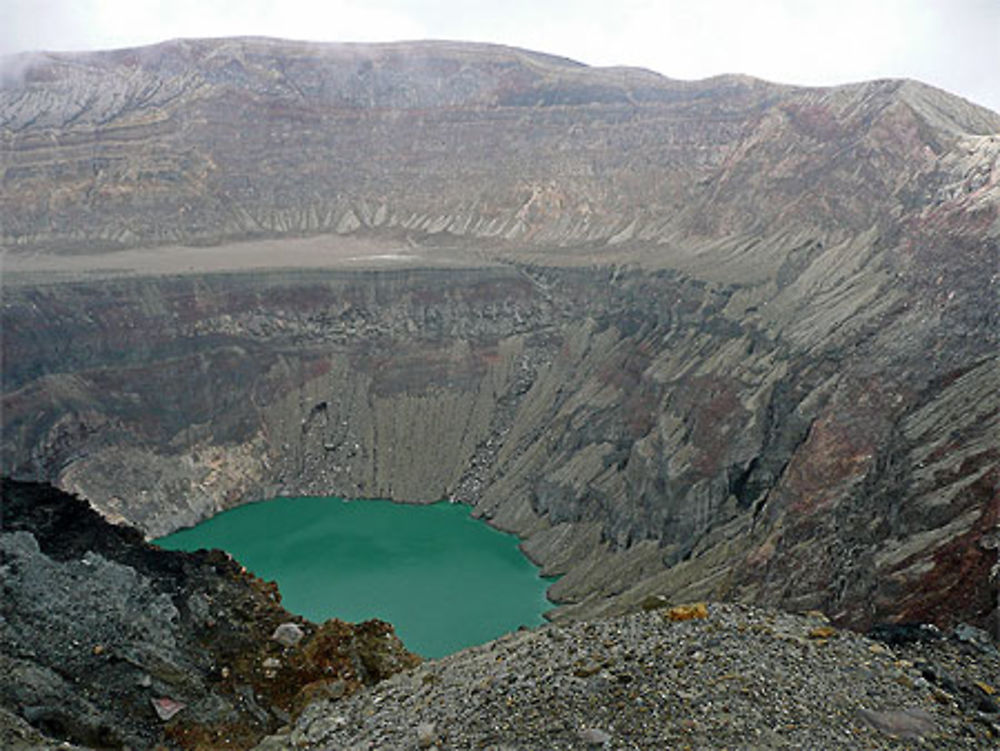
(688, 612)
(166, 707)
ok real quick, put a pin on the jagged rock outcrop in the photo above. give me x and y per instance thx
(110, 642)
(721, 338)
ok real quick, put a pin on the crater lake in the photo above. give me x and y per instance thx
(444, 579)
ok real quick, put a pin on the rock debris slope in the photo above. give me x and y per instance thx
(741, 678)
(719, 339)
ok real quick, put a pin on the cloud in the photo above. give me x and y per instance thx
(103, 24)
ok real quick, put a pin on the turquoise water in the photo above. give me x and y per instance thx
(443, 579)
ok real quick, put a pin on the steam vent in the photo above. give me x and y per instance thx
(722, 353)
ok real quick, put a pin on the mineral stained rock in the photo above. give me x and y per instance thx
(722, 339)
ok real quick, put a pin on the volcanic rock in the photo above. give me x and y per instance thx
(288, 634)
(69, 577)
(722, 339)
(756, 684)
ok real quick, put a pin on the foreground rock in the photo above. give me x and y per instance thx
(107, 641)
(740, 678)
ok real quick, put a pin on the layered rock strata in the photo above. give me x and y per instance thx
(720, 338)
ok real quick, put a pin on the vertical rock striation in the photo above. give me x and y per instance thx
(721, 338)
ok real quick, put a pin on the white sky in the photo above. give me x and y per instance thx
(954, 44)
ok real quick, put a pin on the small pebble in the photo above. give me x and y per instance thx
(594, 737)
(288, 634)
(426, 734)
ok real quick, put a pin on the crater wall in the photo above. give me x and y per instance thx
(717, 338)
(640, 437)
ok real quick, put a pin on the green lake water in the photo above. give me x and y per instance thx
(443, 579)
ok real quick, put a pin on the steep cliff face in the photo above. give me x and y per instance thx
(717, 338)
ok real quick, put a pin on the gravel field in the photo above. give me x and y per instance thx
(739, 678)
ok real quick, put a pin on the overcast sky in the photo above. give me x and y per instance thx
(954, 44)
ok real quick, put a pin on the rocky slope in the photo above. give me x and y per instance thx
(720, 339)
(736, 678)
(109, 642)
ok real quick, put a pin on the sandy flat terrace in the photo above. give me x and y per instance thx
(320, 252)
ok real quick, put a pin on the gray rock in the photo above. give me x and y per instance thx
(594, 737)
(288, 634)
(166, 707)
(426, 734)
(975, 637)
(905, 723)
